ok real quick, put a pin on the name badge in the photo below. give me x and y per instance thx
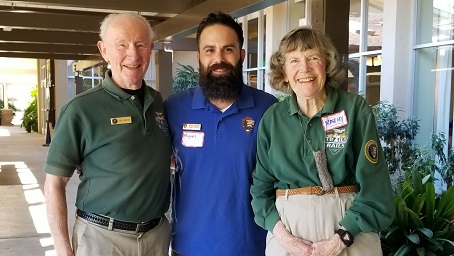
(120, 120)
(192, 127)
(192, 139)
(334, 121)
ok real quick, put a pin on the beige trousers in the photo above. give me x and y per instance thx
(92, 240)
(314, 218)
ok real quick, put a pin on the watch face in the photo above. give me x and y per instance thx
(345, 237)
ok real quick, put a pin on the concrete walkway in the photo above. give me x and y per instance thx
(24, 229)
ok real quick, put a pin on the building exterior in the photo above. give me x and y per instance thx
(394, 51)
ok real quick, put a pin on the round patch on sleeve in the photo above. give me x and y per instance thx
(371, 151)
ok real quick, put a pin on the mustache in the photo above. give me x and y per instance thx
(221, 65)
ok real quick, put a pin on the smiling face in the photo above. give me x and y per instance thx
(127, 47)
(305, 71)
(219, 44)
(220, 59)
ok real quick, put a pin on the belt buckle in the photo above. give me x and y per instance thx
(317, 190)
(139, 225)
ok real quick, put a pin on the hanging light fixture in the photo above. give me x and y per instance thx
(373, 61)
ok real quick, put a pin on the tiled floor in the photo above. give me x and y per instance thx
(24, 228)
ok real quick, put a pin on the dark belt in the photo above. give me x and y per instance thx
(118, 224)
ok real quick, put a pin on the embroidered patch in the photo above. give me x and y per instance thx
(335, 140)
(248, 124)
(161, 122)
(371, 151)
(334, 121)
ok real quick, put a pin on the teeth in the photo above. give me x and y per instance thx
(302, 80)
(131, 66)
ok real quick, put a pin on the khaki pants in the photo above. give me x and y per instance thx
(93, 240)
(315, 218)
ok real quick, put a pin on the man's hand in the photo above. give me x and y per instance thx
(332, 247)
(292, 244)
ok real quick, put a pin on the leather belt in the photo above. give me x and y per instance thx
(316, 190)
(111, 223)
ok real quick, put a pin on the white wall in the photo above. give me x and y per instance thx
(19, 77)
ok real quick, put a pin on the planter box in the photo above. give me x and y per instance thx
(7, 117)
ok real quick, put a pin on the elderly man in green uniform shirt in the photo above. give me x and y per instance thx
(117, 133)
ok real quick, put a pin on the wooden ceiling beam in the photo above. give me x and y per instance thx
(30, 55)
(49, 48)
(51, 37)
(156, 6)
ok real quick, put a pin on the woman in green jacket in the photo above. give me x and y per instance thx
(321, 185)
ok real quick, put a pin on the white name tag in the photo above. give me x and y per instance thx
(192, 139)
(334, 121)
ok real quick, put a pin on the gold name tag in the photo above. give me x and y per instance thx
(192, 127)
(121, 120)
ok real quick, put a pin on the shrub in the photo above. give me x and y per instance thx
(397, 136)
(30, 118)
(424, 220)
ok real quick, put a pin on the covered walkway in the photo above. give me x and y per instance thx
(24, 229)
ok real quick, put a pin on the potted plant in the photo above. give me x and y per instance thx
(424, 220)
(185, 77)
(30, 118)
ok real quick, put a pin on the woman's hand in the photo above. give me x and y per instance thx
(292, 244)
(332, 247)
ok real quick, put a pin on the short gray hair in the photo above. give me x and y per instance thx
(109, 18)
(302, 39)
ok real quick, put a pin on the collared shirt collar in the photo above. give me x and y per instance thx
(245, 99)
(331, 100)
(113, 89)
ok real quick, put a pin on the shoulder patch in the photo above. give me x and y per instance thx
(371, 151)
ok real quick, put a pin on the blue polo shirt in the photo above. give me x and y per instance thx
(216, 153)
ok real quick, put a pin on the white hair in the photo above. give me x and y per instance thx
(109, 18)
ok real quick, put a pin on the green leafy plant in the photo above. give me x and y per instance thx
(185, 77)
(397, 136)
(424, 221)
(434, 159)
(30, 118)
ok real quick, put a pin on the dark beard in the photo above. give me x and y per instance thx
(226, 87)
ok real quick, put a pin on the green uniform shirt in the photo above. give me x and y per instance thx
(122, 148)
(346, 127)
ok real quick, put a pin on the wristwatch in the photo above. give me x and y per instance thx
(345, 237)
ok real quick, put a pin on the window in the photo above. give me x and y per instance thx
(92, 77)
(365, 45)
(433, 76)
(254, 42)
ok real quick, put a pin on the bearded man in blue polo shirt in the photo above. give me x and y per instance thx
(214, 132)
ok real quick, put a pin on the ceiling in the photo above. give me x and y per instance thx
(68, 29)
